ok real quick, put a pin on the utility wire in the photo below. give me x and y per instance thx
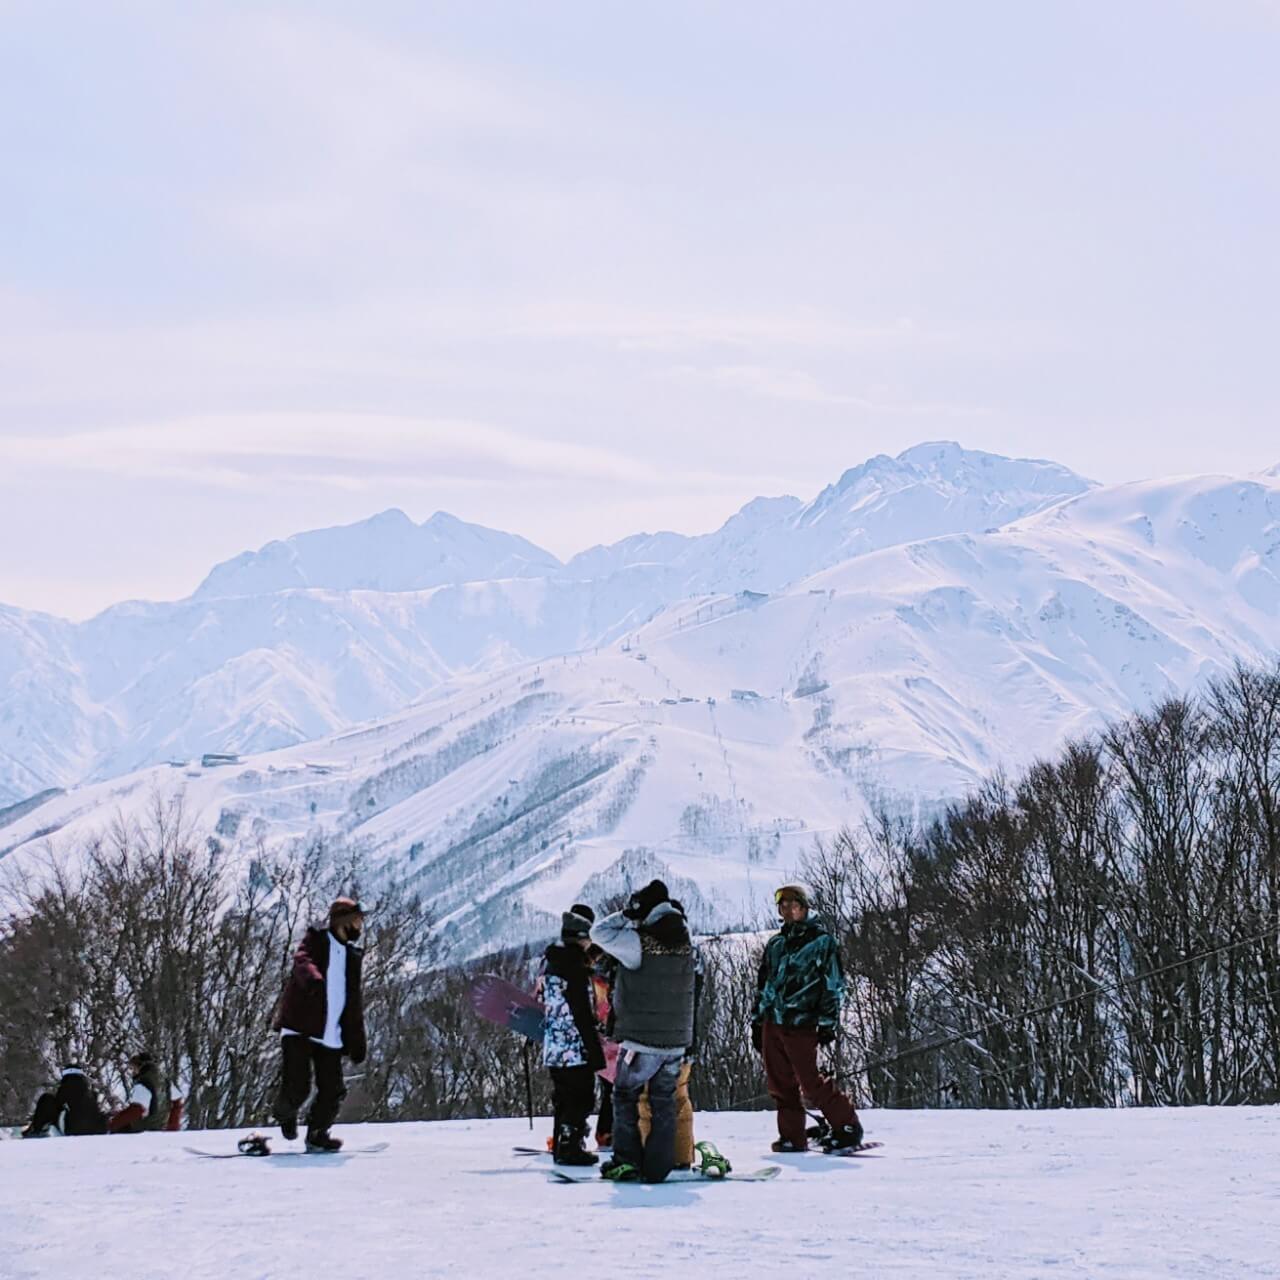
(972, 1033)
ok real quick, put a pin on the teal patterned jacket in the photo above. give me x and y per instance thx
(800, 982)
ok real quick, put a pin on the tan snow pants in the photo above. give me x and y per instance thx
(684, 1117)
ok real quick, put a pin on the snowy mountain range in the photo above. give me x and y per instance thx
(334, 627)
(703, 736)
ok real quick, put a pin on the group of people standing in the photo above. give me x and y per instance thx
(652, 970)
(627, 984)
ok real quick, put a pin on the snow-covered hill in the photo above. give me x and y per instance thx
(711, 743)
(330, 628)
(1012, 1195)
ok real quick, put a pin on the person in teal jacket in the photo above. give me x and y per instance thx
(799, 993)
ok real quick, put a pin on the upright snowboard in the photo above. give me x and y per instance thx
(499, 1001)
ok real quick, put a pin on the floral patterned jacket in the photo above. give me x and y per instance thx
(570, 1038)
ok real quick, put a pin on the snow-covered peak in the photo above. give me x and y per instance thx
(640, 548)
(931, 479)
(386, 552)
(928, 491)
(947, 462)
(761, 513)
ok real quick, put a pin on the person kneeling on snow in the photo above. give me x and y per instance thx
(799, 992)
(72, 1109)
(653, 1024)
(571, 1046)
(684, 1146)
(321, 1017)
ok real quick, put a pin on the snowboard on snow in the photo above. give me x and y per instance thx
(500, 1001)
(370, 1150)
(862, 1149)
(765, 1174)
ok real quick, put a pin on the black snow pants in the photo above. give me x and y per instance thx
(604, 1116)
(299, 1055)
(573, 1094)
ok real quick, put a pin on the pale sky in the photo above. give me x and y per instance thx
(580, 269)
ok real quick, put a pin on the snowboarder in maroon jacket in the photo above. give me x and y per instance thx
(321, 1017)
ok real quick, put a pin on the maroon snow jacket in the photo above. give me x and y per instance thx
(303, 1006)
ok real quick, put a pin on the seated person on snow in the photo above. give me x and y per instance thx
(72, 1109)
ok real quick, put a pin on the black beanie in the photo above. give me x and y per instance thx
(642, 902)
(581, 909)
(573, 926)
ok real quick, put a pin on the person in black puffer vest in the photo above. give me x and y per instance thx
(73, 1108)
(148, 1105)
(653, 1024)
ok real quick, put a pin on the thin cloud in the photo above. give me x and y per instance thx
(801, 387)
(347, 451)
(652, 329)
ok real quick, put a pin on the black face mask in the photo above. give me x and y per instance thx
(353, 933)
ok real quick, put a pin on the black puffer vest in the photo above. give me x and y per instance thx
(158, 1113)
(653, 1005)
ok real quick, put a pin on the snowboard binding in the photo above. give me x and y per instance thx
(254, 1145)
(714, 1165)
(819, 1133)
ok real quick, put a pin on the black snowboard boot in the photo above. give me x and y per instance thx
(288, 1125)
(569, 1148)
(847, 1135)
(785, 1146)
(321, 1140)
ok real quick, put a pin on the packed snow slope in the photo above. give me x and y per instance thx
(712, 743)
(1131, 1195)
(326, 629)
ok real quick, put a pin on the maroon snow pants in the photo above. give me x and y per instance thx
(791, 1068)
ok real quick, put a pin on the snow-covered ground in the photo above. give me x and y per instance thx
(1126, 1194)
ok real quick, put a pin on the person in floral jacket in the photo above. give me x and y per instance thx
(571, 1048)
